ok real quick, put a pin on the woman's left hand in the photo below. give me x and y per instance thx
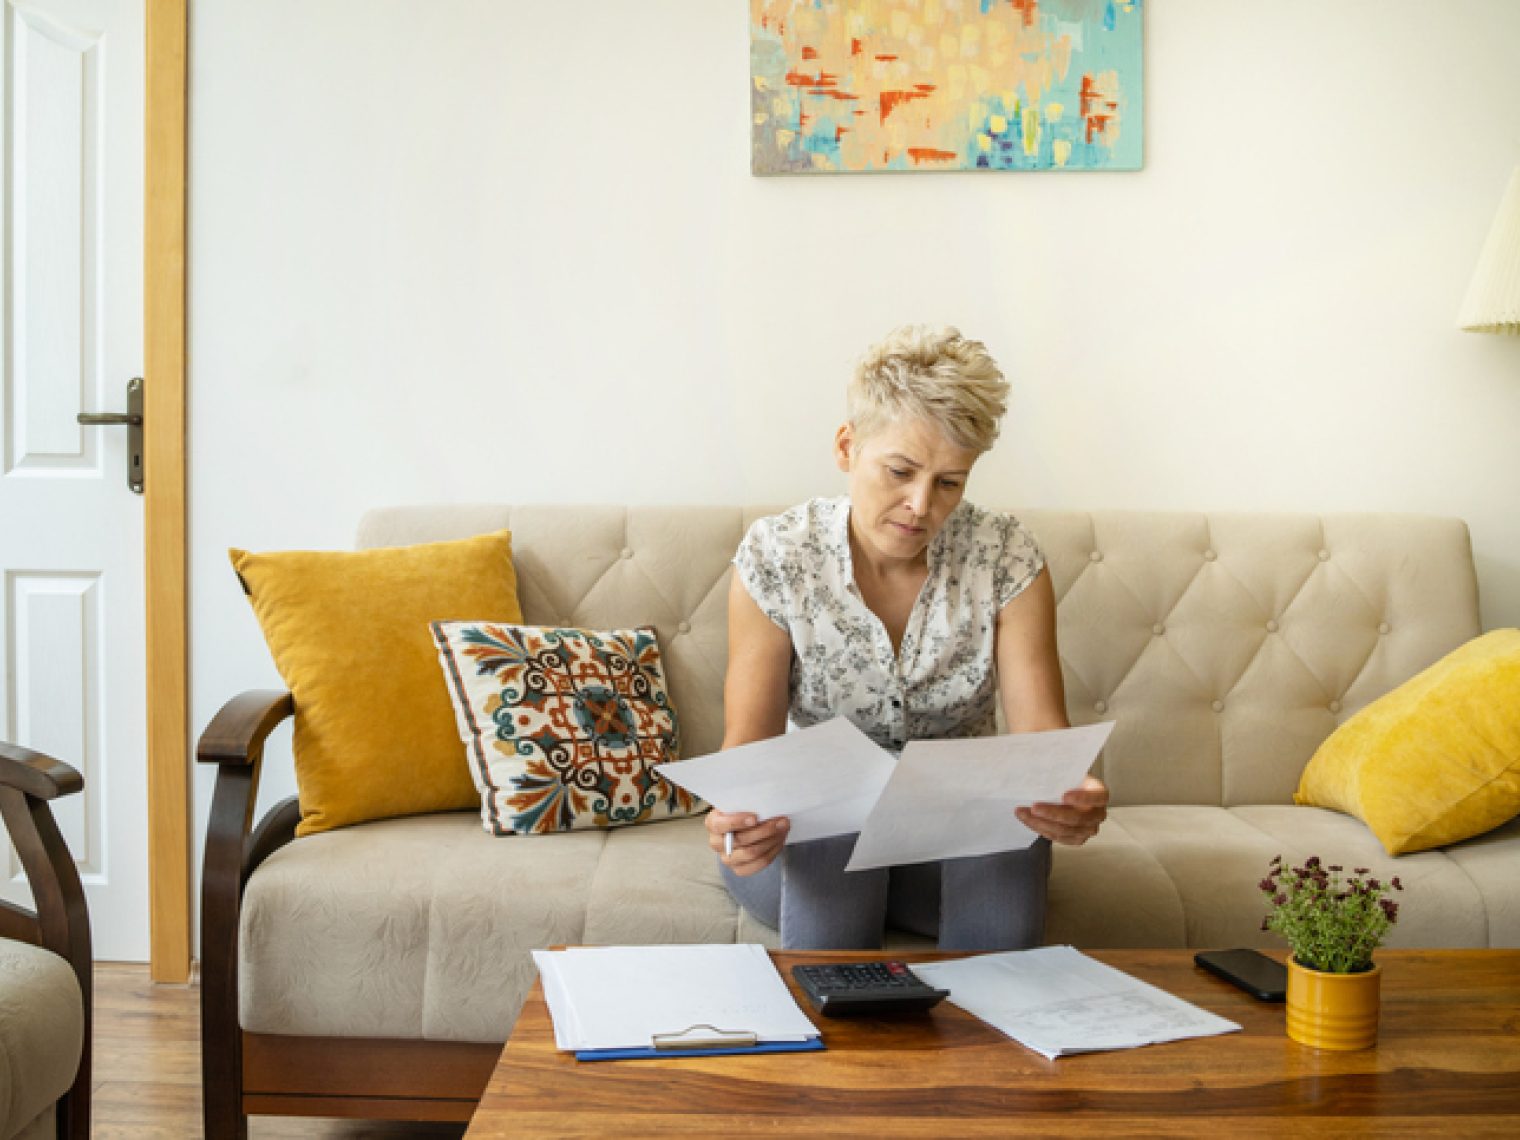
(1075, 819)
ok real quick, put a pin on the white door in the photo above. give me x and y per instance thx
(71, 530)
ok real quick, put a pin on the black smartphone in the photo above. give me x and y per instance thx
(1265, 979)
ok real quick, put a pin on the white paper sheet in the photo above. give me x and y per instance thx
(825, 778)
(620, 997)
(1057, 1001)
(951, 798)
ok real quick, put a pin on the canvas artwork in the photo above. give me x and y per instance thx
(870, 85)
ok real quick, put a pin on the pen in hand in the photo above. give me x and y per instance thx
(728, 843)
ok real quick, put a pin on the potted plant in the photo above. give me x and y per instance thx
(1332, 924)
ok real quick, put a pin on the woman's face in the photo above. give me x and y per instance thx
(905, 479)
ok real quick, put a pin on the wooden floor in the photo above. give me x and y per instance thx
(148, 1069)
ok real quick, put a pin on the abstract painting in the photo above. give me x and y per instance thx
(870, 85)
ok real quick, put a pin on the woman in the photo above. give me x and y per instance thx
(909, 611)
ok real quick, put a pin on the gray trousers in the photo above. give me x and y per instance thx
(985, 902)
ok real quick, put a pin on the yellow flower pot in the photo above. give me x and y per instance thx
(1333, 1011)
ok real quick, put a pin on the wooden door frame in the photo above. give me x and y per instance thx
(167, 665)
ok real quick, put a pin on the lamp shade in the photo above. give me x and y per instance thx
(1493, 298)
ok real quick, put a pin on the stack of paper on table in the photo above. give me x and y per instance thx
(611, 1002)
(1057, 1001)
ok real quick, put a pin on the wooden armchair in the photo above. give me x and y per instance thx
(61, 921)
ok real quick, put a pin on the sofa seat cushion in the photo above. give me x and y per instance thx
(421, 927)
(1172, 875)
(41, 1034)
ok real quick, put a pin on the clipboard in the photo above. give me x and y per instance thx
(623, 1002)
(701, 1041)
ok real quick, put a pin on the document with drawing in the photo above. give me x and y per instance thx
(1056, 1001)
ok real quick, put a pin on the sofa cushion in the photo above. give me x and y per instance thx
(421, 927)
(1435, 761)
(562, 728)
(41, 1033)
(1226, 646)
(374, 729)
(1489, 861)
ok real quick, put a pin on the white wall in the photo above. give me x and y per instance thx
(511, 251)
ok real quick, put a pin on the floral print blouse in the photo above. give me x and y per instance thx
(943, 681)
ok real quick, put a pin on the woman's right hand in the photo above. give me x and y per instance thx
(756, 842)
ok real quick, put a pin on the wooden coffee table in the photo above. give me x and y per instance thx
(1447, 1060)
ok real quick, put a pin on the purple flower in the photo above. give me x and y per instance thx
(1326, 916)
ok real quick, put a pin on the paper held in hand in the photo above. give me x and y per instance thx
(1058, 1001)
(825, 778)
(953, 798)
(941, 800)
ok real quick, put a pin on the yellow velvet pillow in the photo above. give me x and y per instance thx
(375, 734)
(1435, 761)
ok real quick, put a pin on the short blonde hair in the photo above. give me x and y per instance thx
(934, 374)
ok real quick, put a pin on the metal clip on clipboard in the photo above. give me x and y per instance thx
(703, 1037)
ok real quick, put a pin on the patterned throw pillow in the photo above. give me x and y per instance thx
(562, 726)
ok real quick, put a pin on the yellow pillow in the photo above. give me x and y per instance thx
(375, 734)
(1435, 761)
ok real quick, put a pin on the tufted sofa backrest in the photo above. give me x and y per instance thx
(1225, 646)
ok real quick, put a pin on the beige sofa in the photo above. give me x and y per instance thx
(1226, 647)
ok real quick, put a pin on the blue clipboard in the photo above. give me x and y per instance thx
(701, 1041)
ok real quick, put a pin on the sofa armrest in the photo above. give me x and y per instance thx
(237, 732)
(234, 741)
(61, 922)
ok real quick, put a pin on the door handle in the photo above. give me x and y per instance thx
(132, 420)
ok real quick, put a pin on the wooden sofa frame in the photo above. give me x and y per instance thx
(61, 921)
(246, 1073)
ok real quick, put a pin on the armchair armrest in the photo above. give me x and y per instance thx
(36, 774)
(28, 780)
(61, 922)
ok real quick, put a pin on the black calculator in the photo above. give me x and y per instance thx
(866, 987)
